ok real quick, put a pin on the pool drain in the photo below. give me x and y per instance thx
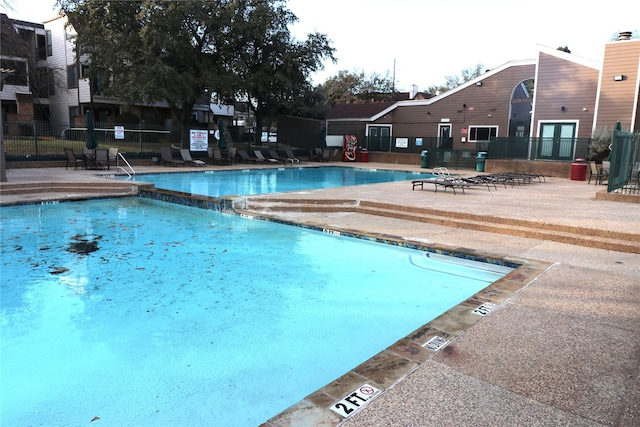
(484, 309)
(436, 343)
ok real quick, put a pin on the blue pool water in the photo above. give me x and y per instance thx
(143, 313)
(272, 180)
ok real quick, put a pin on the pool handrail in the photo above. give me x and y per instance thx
(128, 164)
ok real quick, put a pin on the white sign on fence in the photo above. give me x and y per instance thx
(118, 131)
(199, 140)
(402, 142)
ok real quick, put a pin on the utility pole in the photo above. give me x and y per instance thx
(393, 83)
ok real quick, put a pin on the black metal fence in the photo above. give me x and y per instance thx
(562, 149)
(41, 141)
(27, 141)
(414, 144)
(624, 173)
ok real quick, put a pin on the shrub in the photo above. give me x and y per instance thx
(600, 142)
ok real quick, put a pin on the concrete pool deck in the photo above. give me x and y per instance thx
(563, 349)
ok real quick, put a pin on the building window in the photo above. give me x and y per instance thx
(49, 43)
(41, 40)
(482, 133)
(72, 76)
(44, 84)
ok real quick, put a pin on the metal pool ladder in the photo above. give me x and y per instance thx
(123, 169)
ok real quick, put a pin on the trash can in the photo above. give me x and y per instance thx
(579, 170)
(364, 155)
(481, 158)
(424, 159)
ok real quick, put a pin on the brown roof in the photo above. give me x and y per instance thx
(357, 111)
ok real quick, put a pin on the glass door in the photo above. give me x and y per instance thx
(556, 141)
(444, 136)
(379, 138)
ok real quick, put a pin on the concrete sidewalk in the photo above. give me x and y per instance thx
(562, 349)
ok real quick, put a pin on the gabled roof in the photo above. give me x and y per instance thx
(455, 89)
(569, 57)
(357, 111)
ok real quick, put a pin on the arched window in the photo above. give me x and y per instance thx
(521, 107)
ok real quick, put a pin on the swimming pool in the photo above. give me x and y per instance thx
(144, 313)
(248, 182)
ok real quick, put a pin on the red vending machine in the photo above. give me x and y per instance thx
(350, 148)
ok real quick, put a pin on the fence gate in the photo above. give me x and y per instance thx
(624, 152)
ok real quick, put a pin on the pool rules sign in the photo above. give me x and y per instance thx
(355, 400)
(199, 140)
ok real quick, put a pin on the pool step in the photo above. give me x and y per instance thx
(580, 236)
(52, 190)
(303, 205)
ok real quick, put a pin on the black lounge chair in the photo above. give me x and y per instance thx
(274, 155)
(452, 183)
(326, 155)
(218, 157)
(290, 156)
(421, 182)
(186, 157)
(315, 154)
(443, 182)
(165, 152)
(260, 158)
(480, 180)
(245, 157)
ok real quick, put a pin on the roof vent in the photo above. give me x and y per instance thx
(624, 35)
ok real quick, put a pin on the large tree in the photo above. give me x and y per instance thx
(357, 87)
(273, 67)
(452, 81)
(146, 51)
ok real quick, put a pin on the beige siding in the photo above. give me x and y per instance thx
(485, 105)
(616, 100)
(63, 55)
(561, 83)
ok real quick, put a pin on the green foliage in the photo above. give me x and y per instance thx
(600, 142)
(452, 81)
(176, 51)
(563, 49)
(128, 117)
(274, 68)
(357, 87)
(312, 105)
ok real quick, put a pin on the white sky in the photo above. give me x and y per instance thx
(431, 39)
